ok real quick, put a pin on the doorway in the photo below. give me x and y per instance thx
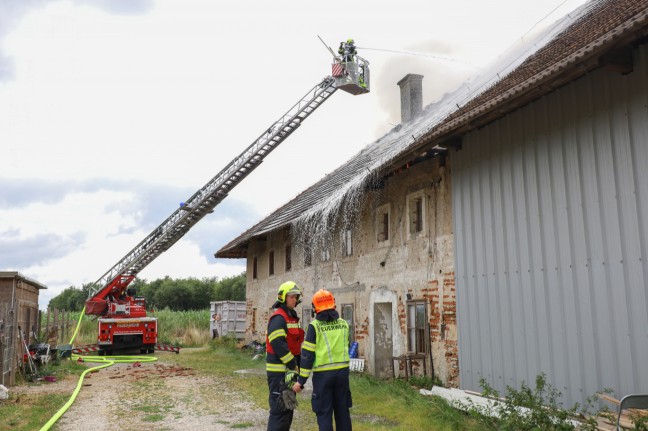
(383, 339)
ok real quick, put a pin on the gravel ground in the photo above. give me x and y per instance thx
(136, 397)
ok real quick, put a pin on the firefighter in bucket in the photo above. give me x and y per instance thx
(350, 71)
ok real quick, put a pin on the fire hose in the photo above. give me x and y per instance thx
(104, 363)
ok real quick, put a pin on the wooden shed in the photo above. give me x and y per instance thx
(18, 309)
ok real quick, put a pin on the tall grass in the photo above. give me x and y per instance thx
(87, 331)
(183, 328)
(179, 328)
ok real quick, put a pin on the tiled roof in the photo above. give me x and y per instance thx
(567, 50)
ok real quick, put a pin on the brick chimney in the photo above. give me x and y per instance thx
(411, 89)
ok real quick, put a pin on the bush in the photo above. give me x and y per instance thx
(425, 382)
(530, 409)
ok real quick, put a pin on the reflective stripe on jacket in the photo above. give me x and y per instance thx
(331, 346)
(283, 342)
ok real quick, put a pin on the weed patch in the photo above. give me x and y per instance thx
(153, 418)
(26, 413)
(529, 408)
(242, 425)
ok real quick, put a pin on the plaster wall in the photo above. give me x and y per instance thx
(418, 264)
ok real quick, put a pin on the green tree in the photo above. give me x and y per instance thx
(144, 289)
(71, 299)
(203, 291)
(230, 289)
(175, 295)
(149, 289)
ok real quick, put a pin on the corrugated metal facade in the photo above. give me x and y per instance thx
(550, 212)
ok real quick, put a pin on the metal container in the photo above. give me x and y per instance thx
(230, 320)
(64, 351)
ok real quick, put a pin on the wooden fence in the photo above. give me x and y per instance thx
(57, 326)
(52, 327)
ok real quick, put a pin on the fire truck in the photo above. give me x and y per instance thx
(123, 323)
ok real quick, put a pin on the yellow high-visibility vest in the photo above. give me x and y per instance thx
(332, 346)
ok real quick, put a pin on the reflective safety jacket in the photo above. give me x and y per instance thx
(326, 347)
(283, 341)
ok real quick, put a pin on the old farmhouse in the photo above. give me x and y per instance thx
(499, 233)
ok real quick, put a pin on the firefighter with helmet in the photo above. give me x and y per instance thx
(283, 346)
(347, 50)
(325, 353)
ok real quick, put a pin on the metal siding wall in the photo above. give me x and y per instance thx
(550, 208)
(638, 119)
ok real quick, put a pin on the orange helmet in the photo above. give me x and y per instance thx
(323, 300)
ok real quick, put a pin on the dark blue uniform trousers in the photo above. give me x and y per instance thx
(332, 396)
(279, 419)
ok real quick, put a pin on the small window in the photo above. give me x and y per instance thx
(288, 258)
(347, 243)
(254, 314)
(326, 251)
(347, 314)
(382, 224)
(326, 254)
(254, 268)
(271, 263)
(417, 339)
(308, 256)
(385, 227)
(416, 213)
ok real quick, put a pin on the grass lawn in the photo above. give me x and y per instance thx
(378, 405)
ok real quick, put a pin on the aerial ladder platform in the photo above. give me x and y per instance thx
(123, 322)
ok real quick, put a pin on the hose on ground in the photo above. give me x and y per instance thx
(104, 363)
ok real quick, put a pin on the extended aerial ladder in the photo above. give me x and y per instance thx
(123, 323)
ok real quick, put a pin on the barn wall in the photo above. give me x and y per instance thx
(550, 215)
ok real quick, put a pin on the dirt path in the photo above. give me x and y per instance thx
(134, 397)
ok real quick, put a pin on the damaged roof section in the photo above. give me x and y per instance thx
(595, 35)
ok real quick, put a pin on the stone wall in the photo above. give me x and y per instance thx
(381, 276)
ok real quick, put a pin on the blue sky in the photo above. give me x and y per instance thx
(112, 112)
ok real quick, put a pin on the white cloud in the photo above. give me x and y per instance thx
(102, 101)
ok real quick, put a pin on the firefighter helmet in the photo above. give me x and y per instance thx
(349, 41)
(323, 300)
(288, 288)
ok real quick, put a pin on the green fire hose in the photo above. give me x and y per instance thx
(102, 360)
